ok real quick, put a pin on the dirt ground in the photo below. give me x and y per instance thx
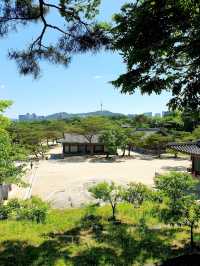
(65, 182)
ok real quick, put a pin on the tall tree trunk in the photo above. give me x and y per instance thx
(113, 212)
(129, 150)
(191, 238)
(91, 149)
(124, 151)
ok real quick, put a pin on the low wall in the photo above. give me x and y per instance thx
(147, 151)
(4, 190)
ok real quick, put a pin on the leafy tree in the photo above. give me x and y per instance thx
(9, 172)
(110, 193)
(108, 138)
(136, 193)
(122, 139)
(181, 207)
(191, 217)
(141, 121)
(31, 136)
(114, 137)
(75, 32)
(191, 120)
(159, 44)
(4, 121)
(33, 209)
(157, 142)
(135, 140)
(196, 133)
(175, 185)
(173, 121)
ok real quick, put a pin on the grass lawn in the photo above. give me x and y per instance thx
(67, 238)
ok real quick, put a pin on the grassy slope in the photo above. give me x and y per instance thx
(138, 240)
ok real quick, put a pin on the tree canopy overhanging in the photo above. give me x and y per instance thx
(76, 30)
(158, 40)
(160, 44)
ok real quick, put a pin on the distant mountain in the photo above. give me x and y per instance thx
(64, 115)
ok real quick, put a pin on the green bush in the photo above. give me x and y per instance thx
(136, 194)
(33, 209)
(4, 212)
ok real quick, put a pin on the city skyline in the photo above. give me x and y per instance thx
(62, 115)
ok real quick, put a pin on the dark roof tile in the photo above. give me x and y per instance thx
(192, 148)
(75, 138)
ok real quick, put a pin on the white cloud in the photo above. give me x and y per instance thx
(98, 77)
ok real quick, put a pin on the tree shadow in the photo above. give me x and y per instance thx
(71, 236)
(112, 245)
(113, 159)
(133, 249)
(70, 159)
(21, 253)
(185, 260)
(174, 168)
(96, 256)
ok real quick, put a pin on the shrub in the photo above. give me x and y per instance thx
(108, 192)
(136, 194)
(4, 212)
(33, 209)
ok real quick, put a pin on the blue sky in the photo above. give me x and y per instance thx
(79, 88)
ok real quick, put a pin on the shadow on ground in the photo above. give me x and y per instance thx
(185, 260)
(174, 168)
(96, 243)
(21, 253)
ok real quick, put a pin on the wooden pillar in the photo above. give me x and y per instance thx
(63, 148)
(193, 170)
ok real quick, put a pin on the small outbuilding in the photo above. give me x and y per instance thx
(74, 144)
(191, 148)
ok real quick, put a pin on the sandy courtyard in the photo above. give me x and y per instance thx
(64, 182)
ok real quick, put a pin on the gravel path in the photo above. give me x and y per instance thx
(65, 182)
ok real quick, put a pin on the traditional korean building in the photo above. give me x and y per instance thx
(193, 149)
(74, 144)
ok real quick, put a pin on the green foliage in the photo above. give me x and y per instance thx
(109, 139)
(33, 136)
(196, 133)
(152, 37)
(157, 142)
(114, 137)
(33, 209)
(106, 192)
(77, 32)
(4, 121)
(136, 194)
(10, 173)
(135, 139)
(91, 126)
(175, 185)
(4, 212)
(180, 206)
(63, 241)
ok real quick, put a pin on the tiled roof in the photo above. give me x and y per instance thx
(150, 131)
(75, 138)
(192, 148)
